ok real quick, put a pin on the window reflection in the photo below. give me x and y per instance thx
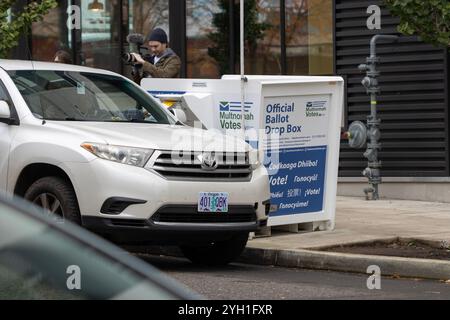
(207, 38)
(320, 37)
(309, 37)
(100, 35)
(146, 15)
(50, 34)
(263, 45)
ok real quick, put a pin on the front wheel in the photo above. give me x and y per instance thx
(217, 253)
(57, 197)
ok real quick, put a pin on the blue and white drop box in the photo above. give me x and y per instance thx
(294, 122)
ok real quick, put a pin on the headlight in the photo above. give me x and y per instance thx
(126, 155)
(254, 158)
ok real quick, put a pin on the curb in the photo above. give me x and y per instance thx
(332, 261)
(386, 240)
(358, 263)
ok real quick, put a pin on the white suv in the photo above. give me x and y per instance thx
(92, 147)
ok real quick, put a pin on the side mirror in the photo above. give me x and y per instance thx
(180, 115)
(5, 113)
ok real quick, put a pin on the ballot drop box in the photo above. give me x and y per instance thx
(293, 121)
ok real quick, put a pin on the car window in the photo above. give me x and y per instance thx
(3, 93)
(5, 96)
(83, 96)
(37, 261)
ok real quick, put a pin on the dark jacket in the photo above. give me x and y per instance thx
(168, 66)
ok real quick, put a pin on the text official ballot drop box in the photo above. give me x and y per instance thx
(294, 122)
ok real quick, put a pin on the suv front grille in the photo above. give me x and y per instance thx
(189, 214)
(185, 165)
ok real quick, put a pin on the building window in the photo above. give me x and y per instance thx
(207, 38)
(309, 37)
(146, 15)
(142, 16)
(263, 45)
(50, 34)
(100, 35)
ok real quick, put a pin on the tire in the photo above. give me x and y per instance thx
(48, 191)
(217, 253)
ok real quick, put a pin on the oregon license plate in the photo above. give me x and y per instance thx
(213, 202)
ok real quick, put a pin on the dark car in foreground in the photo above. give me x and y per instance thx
(42, 258)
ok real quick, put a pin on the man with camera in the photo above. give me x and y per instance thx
(162, 63)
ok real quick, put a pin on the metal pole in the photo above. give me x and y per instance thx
(243, 78)
(231, 35)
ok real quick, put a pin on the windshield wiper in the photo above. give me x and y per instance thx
(73, 119)
(62, 119)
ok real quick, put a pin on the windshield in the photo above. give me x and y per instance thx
(83, 96)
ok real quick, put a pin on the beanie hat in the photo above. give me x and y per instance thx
(158, 35)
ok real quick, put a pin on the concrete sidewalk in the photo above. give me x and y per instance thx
(359, 221)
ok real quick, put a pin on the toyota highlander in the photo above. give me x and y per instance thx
(92, 147)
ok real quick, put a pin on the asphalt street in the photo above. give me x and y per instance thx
(242, 281)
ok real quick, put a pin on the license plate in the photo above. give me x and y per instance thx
(213, 202)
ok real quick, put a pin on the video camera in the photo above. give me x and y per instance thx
(136, 42)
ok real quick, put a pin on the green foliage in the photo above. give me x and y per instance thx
(428, 19)
(12, 29)
(253, 31)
